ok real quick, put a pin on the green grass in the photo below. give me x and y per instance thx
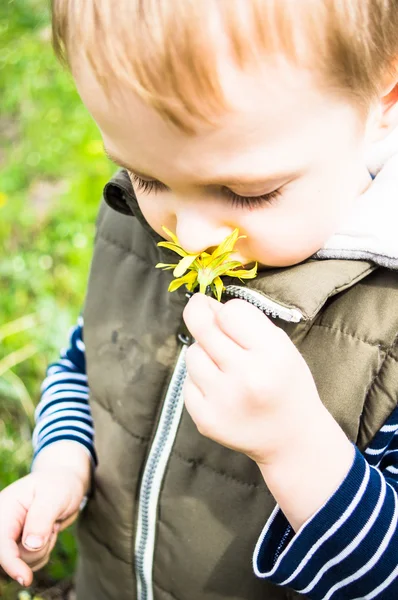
(52, 171)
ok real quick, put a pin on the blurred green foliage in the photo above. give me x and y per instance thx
(52, 171)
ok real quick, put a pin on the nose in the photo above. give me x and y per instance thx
(198, 232)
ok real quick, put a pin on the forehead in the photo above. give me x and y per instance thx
(272, 111)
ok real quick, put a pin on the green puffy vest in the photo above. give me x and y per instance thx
(175, 516)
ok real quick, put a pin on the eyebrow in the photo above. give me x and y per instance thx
(121, 163)
(226, 180)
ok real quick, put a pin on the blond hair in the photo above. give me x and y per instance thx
(165, 49)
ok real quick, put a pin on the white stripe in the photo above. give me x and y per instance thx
(376, 451)
(80, 321)
(54, 369)
(51, 431)
(389, 428)
(49, 418)
(65, 405)
(392, 469)
(61, 377)
(64, 387)
(67, 363)
(389, 452)
(384, 584)
(60, 396)
(63, 362)
(375, 558)
(339, 523)
(80, 345)
(355, 542)
(347, 513)
(74, 433)
(64, 424)
(65, 413)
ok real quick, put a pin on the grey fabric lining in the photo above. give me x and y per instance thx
(378, 259)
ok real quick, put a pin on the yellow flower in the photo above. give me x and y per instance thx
(205, 270)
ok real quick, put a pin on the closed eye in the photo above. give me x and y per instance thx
(149, 186)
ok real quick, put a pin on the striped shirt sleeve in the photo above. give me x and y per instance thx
(63, 412)
(349, 548)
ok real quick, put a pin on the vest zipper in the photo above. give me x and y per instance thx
(266, 305)
(164, 440)
(153, 476)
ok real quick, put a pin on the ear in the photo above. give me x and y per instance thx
(382, 129)
(384, 116)
(389, 113)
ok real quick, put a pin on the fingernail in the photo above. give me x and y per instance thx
(20, 581)
(34, 542)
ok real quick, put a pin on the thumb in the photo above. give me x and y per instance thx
(44, 511)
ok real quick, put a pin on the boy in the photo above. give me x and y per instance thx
(257, 115)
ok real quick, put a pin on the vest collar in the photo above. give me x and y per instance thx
(304, 287)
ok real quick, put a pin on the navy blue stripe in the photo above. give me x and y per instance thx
(81, 401)
(86, 420)
(60, 429)
(301, 552)
(72, 438)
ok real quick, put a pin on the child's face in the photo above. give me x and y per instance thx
(284, 136)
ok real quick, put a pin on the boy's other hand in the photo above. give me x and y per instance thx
(32, 512)
(248, 387)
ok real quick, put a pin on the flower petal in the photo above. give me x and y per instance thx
(228, 244)
(217, 260)
(218, 287)
(225, 267)
(171, 235)
(165, 266)
(173, 247)
(184, 264)
(188, 279)
(244, 273)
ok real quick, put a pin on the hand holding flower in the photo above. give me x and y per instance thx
(249, 389)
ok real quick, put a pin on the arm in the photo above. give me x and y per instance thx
(347, 549)
(342, 509)
(34, 508)
(63, 414)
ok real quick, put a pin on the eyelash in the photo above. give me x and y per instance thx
(237, 201)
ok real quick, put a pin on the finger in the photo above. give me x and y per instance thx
(37, 560)
(192, 396)
(44, 511)
(201, 369)
(245, 324)
(13, 565)
(199, 409)
(61, 525)
(32, 558)
(12, 518)
(200, 318)
(41, 564)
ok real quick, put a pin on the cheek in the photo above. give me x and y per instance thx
(155, 211)
(293, 231)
